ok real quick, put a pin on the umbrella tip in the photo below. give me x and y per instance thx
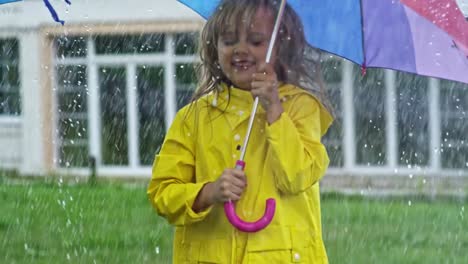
(363, 70)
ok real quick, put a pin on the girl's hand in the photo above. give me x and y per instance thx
(265, 87)
(228, 187)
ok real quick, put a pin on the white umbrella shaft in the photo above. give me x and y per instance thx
(267, 60)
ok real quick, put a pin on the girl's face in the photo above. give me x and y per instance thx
(241, 48)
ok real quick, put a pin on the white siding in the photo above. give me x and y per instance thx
(10, 143)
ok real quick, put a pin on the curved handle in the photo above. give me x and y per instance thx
(230, 211)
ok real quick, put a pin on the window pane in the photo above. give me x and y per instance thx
(413, 119)
(332, 72)
(74, 156)
(72, 116)
(151, 112)
(9, 50)
(454, 126)
(71, 47)
(10, 99)
(186, 43)
(369, 103)
(125, 44)
(113, 116)
(185, 82)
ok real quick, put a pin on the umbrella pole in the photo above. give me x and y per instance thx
(270, 206)
(267, 60)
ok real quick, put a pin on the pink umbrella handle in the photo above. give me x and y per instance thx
(230, 211)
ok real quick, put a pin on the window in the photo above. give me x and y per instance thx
(130, 44)
(369, 104)
(133, 91)
(185, 44)
(10, 99)
(113, 102)
(71, 103)
(413, 119)
(454, 124)
(151, 112)
(72, 116)
(332, 73)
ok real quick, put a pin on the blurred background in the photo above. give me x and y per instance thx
(90, 102)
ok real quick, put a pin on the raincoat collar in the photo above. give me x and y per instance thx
(238, 101)
(240, 98)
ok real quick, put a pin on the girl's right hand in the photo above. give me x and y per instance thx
(229, 186)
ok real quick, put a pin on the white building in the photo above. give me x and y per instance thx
(108, 84)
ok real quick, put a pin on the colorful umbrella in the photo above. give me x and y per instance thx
(48, 5)
(425, 37)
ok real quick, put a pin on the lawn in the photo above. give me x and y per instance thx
(55, 222)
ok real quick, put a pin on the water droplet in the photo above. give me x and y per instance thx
(409, 203)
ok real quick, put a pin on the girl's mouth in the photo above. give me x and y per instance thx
(242, 65)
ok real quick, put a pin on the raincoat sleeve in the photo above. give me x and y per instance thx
(173, 189)
(299, 158)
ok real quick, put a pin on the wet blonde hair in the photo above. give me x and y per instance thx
(297, 63)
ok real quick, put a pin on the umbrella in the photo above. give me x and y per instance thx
(425, 37)
(48, 5)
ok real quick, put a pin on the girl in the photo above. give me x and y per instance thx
(192, 175)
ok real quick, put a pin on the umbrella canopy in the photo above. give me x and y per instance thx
(425, 37)
(51, 9)
(8, 1)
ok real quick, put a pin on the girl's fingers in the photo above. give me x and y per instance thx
(239, 175)
(236, 190)
(232, 197)
(265, 68)
(260, 77)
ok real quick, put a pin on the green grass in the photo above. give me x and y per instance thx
(403, 230)
(51, 222)
(48, 223)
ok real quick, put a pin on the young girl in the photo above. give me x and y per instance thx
(193, 175)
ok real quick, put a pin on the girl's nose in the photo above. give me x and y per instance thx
(240, 48)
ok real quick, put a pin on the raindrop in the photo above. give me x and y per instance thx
(409, 203)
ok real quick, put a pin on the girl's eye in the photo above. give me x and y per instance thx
(229, 42)
(256, 41)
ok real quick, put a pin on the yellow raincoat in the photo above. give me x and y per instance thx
(284, 161)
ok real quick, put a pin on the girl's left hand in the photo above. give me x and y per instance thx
(265, 87)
